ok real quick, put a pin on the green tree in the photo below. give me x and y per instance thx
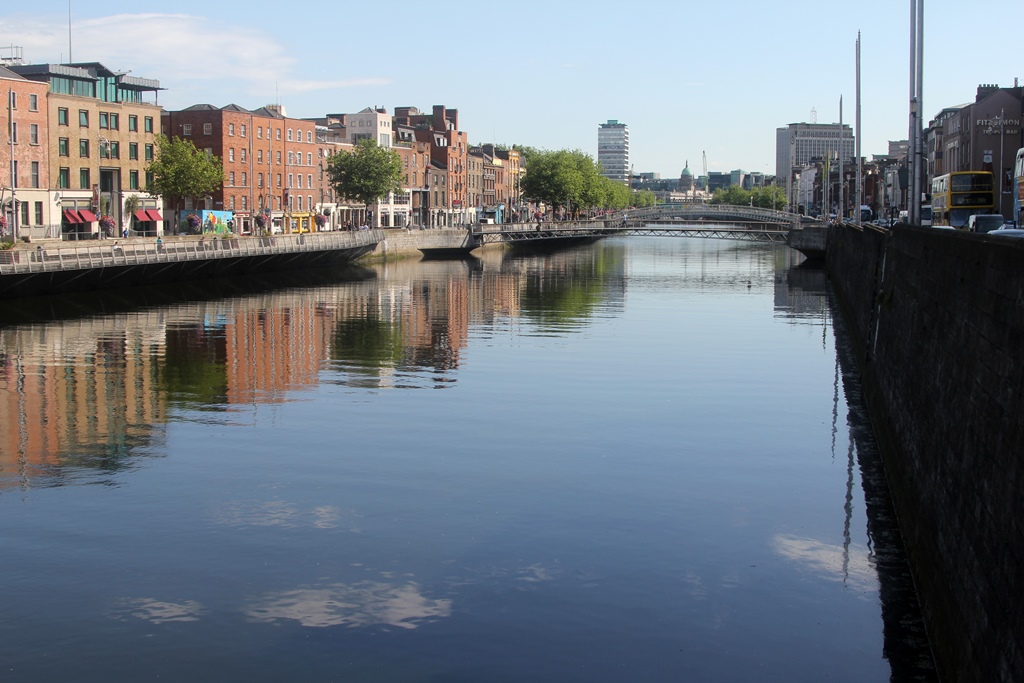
(734, 195)
(770, 197)
(367, 173)
(564, 179)
(179, 171)
(644, 198)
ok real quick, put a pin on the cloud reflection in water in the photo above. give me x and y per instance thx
(365, 604)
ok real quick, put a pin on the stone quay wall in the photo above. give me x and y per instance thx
(938, 317)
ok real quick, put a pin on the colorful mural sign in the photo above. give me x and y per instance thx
(210, 221)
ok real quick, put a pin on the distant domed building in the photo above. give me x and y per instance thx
(686, 179)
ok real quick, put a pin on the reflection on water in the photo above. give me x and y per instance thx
(364, 604)
(87, 391)
(647, 463)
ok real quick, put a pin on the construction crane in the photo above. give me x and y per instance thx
(707, 180)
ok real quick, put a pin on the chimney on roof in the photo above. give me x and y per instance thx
(985, 90)
(277, 109)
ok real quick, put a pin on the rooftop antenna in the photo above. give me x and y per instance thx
(814, 115)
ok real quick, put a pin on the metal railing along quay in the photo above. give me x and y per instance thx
(136, 251)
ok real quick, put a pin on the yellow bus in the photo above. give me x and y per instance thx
(957, 196)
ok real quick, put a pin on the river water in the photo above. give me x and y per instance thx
(635, 460)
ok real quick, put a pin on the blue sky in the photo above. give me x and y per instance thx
(686, 77)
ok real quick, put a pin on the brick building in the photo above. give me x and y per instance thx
(272, 164)
(25, 199)
(448, 150)
(101, 135)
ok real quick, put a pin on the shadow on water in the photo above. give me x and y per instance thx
(91, 303)
(905, 640)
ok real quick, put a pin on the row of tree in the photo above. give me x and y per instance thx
(570, 179)
(769, 197)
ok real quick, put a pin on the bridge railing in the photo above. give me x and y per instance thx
(108, 253)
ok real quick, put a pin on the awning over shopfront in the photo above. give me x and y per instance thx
(71, 216)
(154, 215)
(142, 215)
(87, 216)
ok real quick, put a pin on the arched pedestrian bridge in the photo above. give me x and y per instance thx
(747, 224)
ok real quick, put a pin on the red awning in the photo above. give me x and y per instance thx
(87, 216)
(71, 217)
(142, 215)
(154, 215)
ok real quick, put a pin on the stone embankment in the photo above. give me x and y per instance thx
(938, 319)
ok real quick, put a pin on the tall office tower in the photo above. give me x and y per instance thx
(613, 150)
(798, 143)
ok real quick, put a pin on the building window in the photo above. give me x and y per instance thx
(299, 179)
(83, 149)
(64, 178)
(207, 129)
(62, 116)
(309, 136)
(243, 135)
(259, 180)
(33, 105)
(104, 120)
(133, 180)
(289, 135)
(149, 152)
(114, 150)
(149, 178)
(245, 179)
(291, 180)
(39, 210)
(309, 180)
(14, 132)
(279, 156)
(278, 133)
(35, 174)
(33, 133)
(241, 153)
(12, 99)
(259, 132)
(279, 180)
(115, 122)
(133, 123)
(231, 179)
(133, 151)
(245, 203)
(83, 179)
(24, 213)
(298, 202)
(231, 154)
(83, 118)
(259, 155)
(148, 123)
(63, 147)
(231, 129)
(231, 203)
(291, 158)
(186, 129)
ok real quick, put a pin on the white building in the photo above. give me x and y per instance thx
(798, 143)
(370, 124)
(613, 150)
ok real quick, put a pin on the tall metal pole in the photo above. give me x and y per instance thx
(841, 212)
(919, 156)
(860, 165)
(912, 211)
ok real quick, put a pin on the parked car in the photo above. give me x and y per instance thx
(1008, 232)
(981, 222)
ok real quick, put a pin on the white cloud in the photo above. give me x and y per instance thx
(191, 56)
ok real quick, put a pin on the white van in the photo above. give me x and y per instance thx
(984, 222)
